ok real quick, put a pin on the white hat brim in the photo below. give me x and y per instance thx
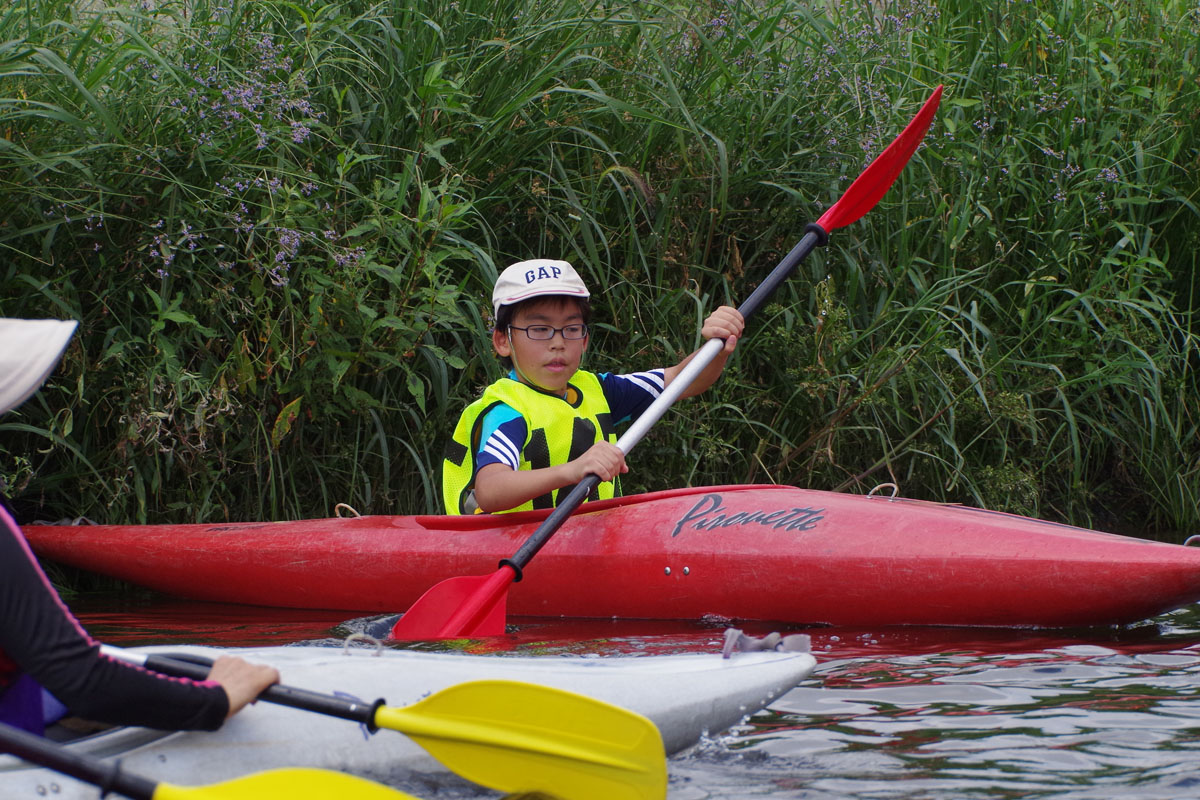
(29, 350)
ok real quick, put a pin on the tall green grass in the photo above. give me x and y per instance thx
(279, 224)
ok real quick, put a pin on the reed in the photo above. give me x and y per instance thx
(279, 224)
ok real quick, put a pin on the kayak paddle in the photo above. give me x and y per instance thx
(298, 783)
(506, 735)
(471, 606)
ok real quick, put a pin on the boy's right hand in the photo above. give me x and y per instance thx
(604, 459)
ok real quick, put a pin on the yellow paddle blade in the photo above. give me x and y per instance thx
(285, 784)
(521, 737)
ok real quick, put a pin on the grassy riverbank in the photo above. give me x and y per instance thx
(278, 224)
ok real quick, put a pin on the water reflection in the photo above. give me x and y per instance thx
(123, 620)
(1115, 717)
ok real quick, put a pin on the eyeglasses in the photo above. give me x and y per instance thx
(541, 333)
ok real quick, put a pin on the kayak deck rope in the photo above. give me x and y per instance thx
(879, 488)
(737, 641)
(361, 637)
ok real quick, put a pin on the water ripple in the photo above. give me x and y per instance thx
(1115, 716)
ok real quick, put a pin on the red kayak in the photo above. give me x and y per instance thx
(774, 553)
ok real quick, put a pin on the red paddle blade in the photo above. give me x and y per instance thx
(878, 177)
(467, 606)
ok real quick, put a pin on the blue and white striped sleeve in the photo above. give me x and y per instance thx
(629, 395)
(501, 437)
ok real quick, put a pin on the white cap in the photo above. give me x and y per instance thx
(29, 349)
(536, 278)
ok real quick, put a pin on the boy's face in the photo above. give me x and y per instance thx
(547, 363)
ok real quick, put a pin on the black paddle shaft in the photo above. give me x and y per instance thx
(814, 236)
(186, 665)
(106, 775)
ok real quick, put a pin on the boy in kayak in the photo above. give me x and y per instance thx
(537, 432)
(48, 663)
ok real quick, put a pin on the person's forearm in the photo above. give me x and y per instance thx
(707, 377)
(501, 488)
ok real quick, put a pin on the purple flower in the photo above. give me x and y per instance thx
(289, 240)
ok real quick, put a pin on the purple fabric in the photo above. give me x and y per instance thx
(21, 705)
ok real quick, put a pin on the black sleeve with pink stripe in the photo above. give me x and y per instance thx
(43, 639)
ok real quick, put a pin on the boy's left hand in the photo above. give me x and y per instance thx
(724, 323)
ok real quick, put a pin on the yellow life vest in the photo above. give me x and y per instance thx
(558, 430)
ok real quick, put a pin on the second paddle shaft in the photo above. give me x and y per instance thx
(104, 774)
(197, 667)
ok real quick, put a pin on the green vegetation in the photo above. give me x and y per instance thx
(278, 224)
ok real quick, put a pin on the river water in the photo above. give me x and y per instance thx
(891, 713)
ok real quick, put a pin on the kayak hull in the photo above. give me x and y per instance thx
(686, 696)
(774, 553)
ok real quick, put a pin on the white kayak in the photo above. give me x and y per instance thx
(686, 696)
